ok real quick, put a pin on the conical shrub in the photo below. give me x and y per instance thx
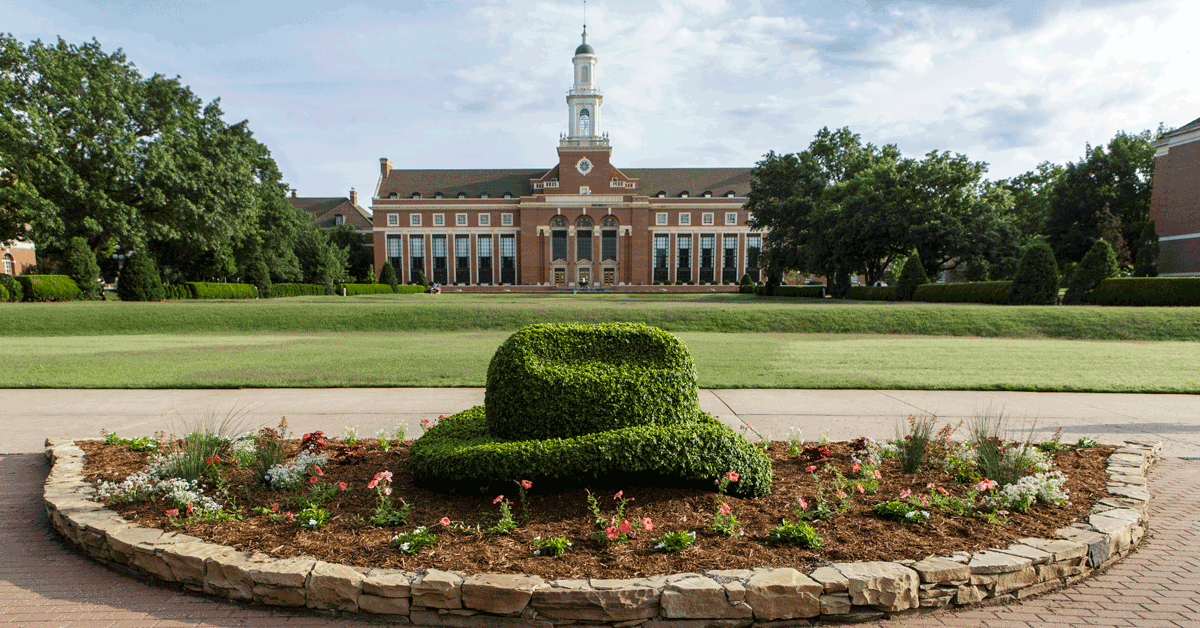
(911, 276)
(1036, 281)
(1099, 264)
(139, 280)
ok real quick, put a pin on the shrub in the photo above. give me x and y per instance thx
(214, 290)
(259, 276)
(353, 289)
(3, 294)
(871, 293)
(798, 533)
(296, 290)
(1098, 264)
(176, 291)
(1147, 291)
(139, 280)
(1036, 281)
(810, 292)
(911, 276)
(49, 288)
(554, 380)
(1146, 264)
(81, 266)
(388, 276)
(994, 292)
(410, 289)
(15, 292)
(459, 453)
(421, 279)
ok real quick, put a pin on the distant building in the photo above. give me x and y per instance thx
(581, 222)
(1175, 201)
(330, 212)
(17, 255)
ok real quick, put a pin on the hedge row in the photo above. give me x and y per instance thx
(175, 292)
(807, 292)
(212, 290)
(871, 293)
(49, 288)
(10, 283)
(3, 294)
(1147, 291)
(459, 454)
(296, 289)
(410, 289)
(993, 292)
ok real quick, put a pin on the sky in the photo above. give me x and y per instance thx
(333, 87)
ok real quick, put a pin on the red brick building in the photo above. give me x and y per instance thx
(1175, 201)
(583, 221)
(16, 256)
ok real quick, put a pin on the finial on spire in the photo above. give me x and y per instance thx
(585, 21)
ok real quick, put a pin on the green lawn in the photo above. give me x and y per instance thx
(725, 313)
(724, 360)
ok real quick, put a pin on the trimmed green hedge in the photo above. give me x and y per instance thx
(296, 290)
(177, 291)
(10, 283)
(49, 288)
(1147, 291)
(417, 289)
(559, 381)
(355, 289)
(807, 292)
(215, 290)
(993, 292)
(871, 293)
(3, 294)
(459, 454)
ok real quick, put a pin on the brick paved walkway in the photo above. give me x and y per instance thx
(42, 584)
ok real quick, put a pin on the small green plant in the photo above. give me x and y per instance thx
(674, 542)
(724, 481)
(914, 441)
(724, 522)
(1086, 442)
(141, 443)
(269, 449)
(350, 435)
(795, 441)
(386, 513)
(798, 533)
(522, 486)
(823, 507)
(1054, 444)
(556, 546)
(312, 517)
(412, 542)
(505, 523)
(617, 528)
(1004, 462)
(904, 512)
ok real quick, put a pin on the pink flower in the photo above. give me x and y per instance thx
(924, 501)
(724, 508)
(385, 475)
(497, 500)
(1002, 512)
(749, 426)
(312, 480)
(619, 494)
(317, 468)
(810, 468)
(372, 483)
(442, 416)
(445, 521)
(647, 523)
(190, 508)
(275, 507)
(624, 527)
(878, 475)
(174, 512)
(985, 484)
(841, 494)
(343, 486)
(855, 468)
(611, 532)
(526, 484)
(387, 491)
(732, 476)
(803, 504)
(290, 516)
(905, 493)
(859, 488)
(943, 491)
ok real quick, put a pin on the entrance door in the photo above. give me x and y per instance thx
(560, 277)
(610, 275)
(585, 277)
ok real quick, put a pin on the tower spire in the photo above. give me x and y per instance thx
(585, 21)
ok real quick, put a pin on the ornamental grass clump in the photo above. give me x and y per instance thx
(914, 441)
(997, 459)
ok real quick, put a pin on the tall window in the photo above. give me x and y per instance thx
(729, 258)
(483, 247)
(583, 239)
(9, 267)
(508, 258)
(440, 267)
(416, 256)
(339, 220)
(707, 244)
(462, 258)
(753, 255)
(393, 252)
(683, 257)
(585, 75)
(660, 257)
(585, 122)
(558, 239)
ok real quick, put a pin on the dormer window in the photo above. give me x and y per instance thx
(484, 195)
(462, 195)
(683, 194)
(729, 194)
(707, 194)
(414, 195)
(662, 195)
(508, 195)
(437, 195)
(339, 220)
(392, 195)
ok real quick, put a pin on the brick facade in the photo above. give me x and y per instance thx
(1175, 201)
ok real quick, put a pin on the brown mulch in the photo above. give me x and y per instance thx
(858, 535)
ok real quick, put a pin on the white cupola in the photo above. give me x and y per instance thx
(583, 101)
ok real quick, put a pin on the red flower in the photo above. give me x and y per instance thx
(290, 516)
(854, 469)
(860, 489)
(445, 521)
(318, 470)
(611, 532)
(647, 523)
(732, 476)
(526, 484)
(190, 508)
(275, 507)
(624, 527)
(724, 508)
(878, 475)
(174, 512)
(312, 480)
(810, 468)
(619, 494)
(343, 486)
(497, 500)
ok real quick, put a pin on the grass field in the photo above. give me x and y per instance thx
(739, 360)
(724, 313)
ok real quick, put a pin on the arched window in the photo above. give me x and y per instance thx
(609, 223)
(437, 195)
(462, 195)
(585, 122)
(584, 222)
(508, 195)
(559, 222)
(585, 76)
(392, 195)
(414, 195)
(9, 267)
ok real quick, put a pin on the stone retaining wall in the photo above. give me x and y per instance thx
(716, 599)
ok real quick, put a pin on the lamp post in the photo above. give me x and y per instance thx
(120, 257)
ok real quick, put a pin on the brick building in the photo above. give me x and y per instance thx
(583, 221)
(1175, 201)
(16, 256)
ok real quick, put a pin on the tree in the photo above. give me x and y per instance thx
(80, 264)
(1099, 264)
(1031, 194)
(358, 257)
(1147, 248)
(1036, 281)
(258, 274)
(388, 276)
(1110, 229)
(1121, 175)
(139, 280)
(321, 261)
(911, 276)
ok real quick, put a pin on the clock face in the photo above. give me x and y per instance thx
(584, 166)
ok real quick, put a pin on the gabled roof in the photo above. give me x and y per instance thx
(325, 209)
(495, 183)
(1190, 126)
(694, 181)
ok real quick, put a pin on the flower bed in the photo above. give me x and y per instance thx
(780, 582)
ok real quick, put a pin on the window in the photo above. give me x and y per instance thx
(660, 257)
(506, 220)
(729, 194)
(508, 258)
(393, 220)
(662, 195)
(439, 220)
(585, 122)
(484, 195)
(583, 189)
(708, 195)
(394, 256)
(338, 220)
(416, 256)
(393, 195)
(730, 218)
(10, 267)
(460, 220)
(683, 257)
(683, 195)
(462, 258)
(440, 265)
(462, 195)
(583, 222)
(585, 75)
(608, 243)
(753, 255)
(706, 219)
(707, 243)
(660, 218)
(414, 195)
(558, 245)
(437, 195)
(583, 242)
(414, 220)
(508, 195)
(559, 222)
(609, 223)
(729, 258)
(483, 247)
(485, 220)
(685, 220)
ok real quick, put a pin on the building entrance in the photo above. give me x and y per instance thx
(610, 275)
(560, 277)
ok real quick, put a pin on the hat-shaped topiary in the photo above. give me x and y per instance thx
(559, 381)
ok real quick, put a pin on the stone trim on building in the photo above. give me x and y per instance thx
(841, 592)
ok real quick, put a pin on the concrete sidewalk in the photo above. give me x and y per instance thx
(841, 414)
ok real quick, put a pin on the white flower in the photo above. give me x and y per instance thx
(537, 552)
(312, 522)
(404, 546)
